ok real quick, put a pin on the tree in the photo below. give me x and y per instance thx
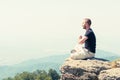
(9, 78)
(53, 74)
(36, 75)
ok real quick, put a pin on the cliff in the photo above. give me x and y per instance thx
(90, 69)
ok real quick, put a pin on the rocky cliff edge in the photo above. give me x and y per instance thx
(90, 69)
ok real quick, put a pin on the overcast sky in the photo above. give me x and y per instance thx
(35, 28)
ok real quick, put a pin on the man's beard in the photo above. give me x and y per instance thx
(84, 27)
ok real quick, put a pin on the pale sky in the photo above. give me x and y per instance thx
(35, 28)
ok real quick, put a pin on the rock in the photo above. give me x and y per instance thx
(83, 69)
(115, 63)
(110, 74)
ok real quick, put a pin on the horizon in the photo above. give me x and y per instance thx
(97, 55)
(32, 29)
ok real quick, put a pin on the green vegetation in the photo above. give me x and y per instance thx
(36, 75)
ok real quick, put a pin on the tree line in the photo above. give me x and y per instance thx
(36, 75)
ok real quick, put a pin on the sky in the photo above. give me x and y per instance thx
(32, 29)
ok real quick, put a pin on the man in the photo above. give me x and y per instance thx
(89, 39)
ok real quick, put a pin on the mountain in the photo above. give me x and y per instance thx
(31, 65)
(54, 62)
(106, 55)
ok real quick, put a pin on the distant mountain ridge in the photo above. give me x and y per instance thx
(46, 63)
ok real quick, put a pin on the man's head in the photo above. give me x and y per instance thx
(86, 23)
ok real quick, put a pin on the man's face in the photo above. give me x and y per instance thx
(84, 24)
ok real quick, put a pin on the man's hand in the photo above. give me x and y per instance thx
(82, 40)
(80, 37)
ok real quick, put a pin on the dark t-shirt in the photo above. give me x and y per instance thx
(90, 43)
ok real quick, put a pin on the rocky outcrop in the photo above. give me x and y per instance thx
(90, 69)
(110, 74)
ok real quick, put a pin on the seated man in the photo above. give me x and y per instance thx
(88, 39)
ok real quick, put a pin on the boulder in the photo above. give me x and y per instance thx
(110, 74)
(83, 69)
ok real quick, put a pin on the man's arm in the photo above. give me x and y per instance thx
(83, 39)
